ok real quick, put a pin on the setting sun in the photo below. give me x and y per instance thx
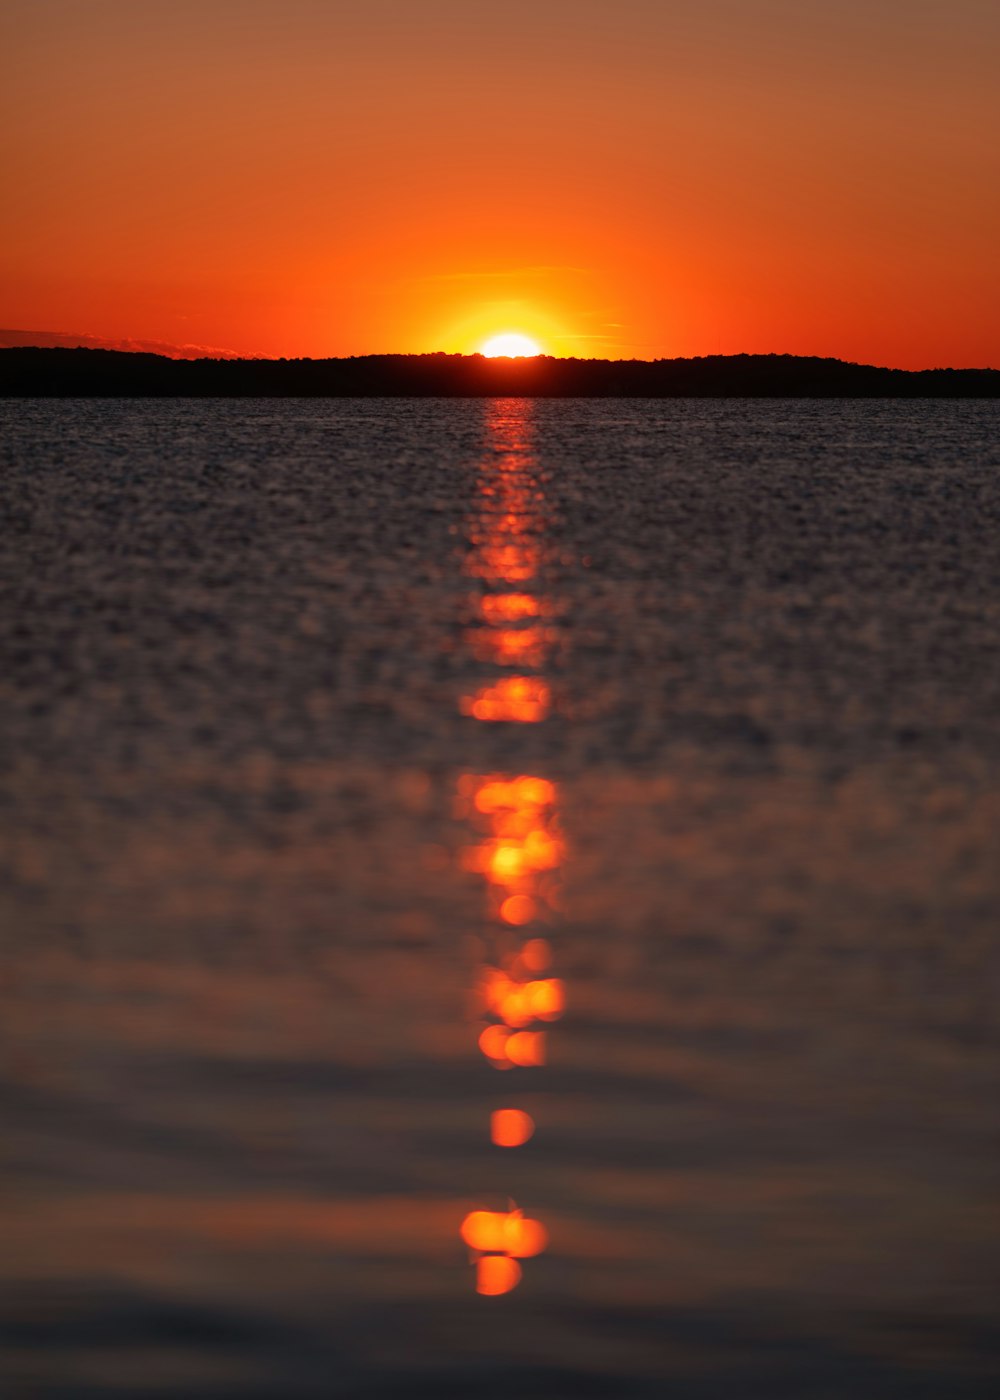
(513, 345)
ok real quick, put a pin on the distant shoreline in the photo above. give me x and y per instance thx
(56, 372)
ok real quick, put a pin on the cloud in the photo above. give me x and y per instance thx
(71, 340)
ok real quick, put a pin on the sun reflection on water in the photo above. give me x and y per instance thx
(513, 700)
(519, 847)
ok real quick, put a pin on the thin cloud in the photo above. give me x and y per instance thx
(70, 340)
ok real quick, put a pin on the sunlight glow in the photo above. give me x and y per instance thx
(511, 344)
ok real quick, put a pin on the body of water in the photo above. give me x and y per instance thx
(500, 898)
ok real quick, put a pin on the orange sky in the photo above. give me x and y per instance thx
(612, 177)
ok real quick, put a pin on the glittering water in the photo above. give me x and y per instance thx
(387, 782)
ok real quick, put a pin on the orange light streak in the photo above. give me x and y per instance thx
(521, 846)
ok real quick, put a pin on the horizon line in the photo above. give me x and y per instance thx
(192, 354)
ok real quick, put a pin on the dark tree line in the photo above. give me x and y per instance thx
(112, 373)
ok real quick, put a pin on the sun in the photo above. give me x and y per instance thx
(510, 344)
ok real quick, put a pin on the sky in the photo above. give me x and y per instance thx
(612, 178)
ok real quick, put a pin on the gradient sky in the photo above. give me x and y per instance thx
(613, 177)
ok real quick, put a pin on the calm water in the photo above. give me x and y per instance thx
(375, 766)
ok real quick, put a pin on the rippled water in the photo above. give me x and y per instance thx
(375, 767)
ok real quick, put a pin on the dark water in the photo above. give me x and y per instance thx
(657, 740)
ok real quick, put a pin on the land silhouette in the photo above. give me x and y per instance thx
(61, 372)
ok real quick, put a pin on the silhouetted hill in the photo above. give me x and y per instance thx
(110, 373)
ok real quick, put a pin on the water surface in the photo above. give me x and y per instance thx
(375, 766)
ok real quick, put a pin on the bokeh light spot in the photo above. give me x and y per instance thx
(511, 1127)
(496, 1274)
(526, 1048)
(518, 909)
